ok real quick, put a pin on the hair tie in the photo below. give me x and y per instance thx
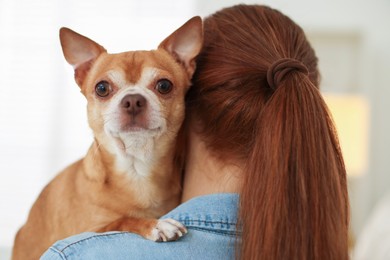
(281, 68)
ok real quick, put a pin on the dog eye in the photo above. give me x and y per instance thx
(103, 89)
(164, 86)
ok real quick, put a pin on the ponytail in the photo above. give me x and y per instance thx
(294, 201)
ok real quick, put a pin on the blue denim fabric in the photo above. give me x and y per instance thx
(210, 220)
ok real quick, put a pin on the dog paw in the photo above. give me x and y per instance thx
(167, 230)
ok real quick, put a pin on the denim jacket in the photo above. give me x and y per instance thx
(210, 220)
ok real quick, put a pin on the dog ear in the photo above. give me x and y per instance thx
(80, 52)
(185, 43)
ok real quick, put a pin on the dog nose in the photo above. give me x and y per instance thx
(134, 103)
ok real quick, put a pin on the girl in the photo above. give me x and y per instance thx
(256, 126)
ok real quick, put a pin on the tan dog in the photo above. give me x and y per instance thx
(127, 179)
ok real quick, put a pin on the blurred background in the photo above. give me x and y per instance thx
(43, 125)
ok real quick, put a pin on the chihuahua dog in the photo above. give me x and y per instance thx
(128, 178)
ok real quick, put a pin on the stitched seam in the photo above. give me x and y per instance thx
(230, 234)
(89, 238)
(206, 224)
(213, 222)
(206, 221)
(60, 253)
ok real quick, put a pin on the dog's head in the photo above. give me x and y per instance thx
(135, 98)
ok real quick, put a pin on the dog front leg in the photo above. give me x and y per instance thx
(159, 230)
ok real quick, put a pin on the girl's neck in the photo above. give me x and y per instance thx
(205, 174)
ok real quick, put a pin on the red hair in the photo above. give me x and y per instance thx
(294, 200)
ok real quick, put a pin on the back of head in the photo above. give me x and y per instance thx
(256, 94)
